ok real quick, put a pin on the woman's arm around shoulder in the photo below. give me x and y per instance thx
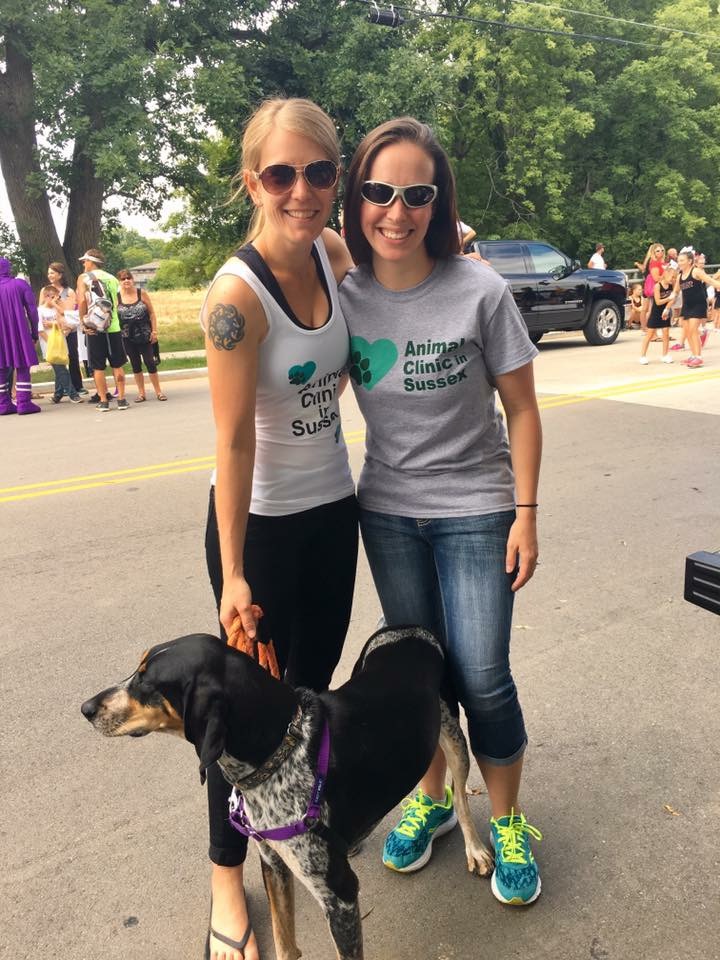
(517, 393)
(235, 326)
(338, 254)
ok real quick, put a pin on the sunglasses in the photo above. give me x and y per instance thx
(280, 177)
(415, 195)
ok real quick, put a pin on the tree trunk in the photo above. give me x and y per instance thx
(19, 164)
(85, 204)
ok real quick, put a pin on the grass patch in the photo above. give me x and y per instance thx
(178, 324)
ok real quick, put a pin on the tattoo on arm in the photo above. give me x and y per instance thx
(226, 326)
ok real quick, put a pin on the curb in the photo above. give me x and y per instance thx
(191, 373)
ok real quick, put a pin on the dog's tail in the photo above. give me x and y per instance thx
(261, 652)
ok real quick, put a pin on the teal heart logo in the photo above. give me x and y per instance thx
(300, 374)
(370, 362)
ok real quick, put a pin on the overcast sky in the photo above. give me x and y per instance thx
(137, 222)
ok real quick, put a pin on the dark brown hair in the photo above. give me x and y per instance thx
(59, 268)
(442, 239)
(125, 275)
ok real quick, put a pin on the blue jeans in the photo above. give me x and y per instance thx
(63, 383)
(448, 575)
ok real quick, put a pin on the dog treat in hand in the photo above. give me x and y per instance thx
(262, 653)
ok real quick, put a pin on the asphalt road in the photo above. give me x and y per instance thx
(103, 842)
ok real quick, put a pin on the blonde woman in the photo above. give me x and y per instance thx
(652, 267)
(283, 498)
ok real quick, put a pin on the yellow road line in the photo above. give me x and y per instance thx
(47, 488)
(32, 491)
(636, 386)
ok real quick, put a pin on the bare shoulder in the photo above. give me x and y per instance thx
(232, 314)
(338, 253)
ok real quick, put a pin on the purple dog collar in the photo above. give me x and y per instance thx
(239, 818)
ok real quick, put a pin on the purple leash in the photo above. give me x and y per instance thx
(239, 818)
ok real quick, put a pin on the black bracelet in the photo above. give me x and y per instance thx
(526, 504)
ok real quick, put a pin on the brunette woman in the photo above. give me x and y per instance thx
(448, 505)
(138, 324)
(277, 346)
(57, 278)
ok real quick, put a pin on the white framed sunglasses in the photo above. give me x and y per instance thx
(414, 195)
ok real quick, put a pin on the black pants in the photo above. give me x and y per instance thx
(73, 361)
(137, 352)
(301, 569)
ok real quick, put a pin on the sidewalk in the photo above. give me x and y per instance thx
(186, 373)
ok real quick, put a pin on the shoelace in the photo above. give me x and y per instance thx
(513, 837)
(414, 816)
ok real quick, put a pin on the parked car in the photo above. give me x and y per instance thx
(554, 292)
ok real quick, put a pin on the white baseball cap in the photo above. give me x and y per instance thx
(89, 256)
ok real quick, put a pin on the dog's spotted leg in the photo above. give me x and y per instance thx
(280, 889)
(345, 926)
(454, 746)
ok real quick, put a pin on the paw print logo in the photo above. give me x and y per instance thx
(360, 368)
(301, 373)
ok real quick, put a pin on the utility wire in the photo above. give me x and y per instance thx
(633, 23)
(505, 25)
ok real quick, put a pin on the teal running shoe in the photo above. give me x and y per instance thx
(516, 878)
(409, 846)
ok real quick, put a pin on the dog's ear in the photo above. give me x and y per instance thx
(205, 725)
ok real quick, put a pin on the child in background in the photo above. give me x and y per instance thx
(51, 314)
(634, 316)
(660, 314)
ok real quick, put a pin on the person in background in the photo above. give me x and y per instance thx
(138, 325)
(652, 267)
(52, 314)
(106, 346)
(692, 281)
(634, 306)
(58, 279)
(283, 496)
(448, 497)
(18, 336)
(659, 318)
(597, 260)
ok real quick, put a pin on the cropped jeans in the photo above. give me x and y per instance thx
(448, 575)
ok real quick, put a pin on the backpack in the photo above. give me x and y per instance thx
(100, 309)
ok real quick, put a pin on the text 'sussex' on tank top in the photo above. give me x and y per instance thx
(300, 455)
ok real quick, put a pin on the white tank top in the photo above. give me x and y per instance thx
(301, 459)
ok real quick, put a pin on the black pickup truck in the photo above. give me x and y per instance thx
(554, 292)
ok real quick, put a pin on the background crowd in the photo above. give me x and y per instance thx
(675, 292)
(65, 325)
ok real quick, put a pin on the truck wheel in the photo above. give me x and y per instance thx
(604, 323)
(536, 337)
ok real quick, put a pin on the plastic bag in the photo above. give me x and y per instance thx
(57, 351)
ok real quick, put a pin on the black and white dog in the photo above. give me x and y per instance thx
(384, 726)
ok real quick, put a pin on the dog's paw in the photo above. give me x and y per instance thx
(480, 860)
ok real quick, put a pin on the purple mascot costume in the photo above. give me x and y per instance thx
(18, 317)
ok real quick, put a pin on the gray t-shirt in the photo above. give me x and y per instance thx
(423, 363)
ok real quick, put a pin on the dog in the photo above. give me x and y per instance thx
(384, 725)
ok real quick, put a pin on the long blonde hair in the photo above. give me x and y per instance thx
(295, 115)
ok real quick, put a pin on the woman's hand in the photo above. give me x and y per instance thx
(153, 336)
(522, 547)
(237, 602)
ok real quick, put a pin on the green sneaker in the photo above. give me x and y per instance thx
(408, 847)
(516, 878)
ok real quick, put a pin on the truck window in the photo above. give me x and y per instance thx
(506, 258)
(545, 258)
